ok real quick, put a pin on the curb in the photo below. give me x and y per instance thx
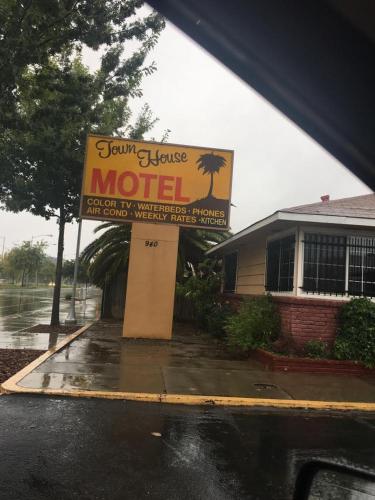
(10, 387)
(186, 399)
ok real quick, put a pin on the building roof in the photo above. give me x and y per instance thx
(357, 206)
(354, 211)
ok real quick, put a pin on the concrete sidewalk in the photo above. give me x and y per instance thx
(100, 360)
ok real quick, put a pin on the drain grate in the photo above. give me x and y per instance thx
(263, 387)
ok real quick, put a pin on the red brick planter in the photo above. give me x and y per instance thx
(277, 362)
(304, 319)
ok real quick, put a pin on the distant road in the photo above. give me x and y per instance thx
(23, 307)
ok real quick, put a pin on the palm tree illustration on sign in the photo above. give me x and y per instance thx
(210, 164)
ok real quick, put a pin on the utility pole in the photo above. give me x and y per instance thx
(71, 318)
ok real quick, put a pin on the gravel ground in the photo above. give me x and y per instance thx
(13, 360)
(53, 329)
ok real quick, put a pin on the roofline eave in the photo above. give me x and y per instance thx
(341, 220)
(244, 232)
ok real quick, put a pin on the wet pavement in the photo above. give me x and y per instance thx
(100, 360)
(91, 449)
(22, 308)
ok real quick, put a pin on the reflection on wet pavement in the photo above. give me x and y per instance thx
(21, 309)
(74, 448)
(341, 485)
(100, 360)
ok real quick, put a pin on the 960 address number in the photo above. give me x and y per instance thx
(151, 243)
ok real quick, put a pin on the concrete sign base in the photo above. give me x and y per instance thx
(151, 281)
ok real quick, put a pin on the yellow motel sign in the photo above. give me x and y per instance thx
(138, 181)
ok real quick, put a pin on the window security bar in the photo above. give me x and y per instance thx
(345, 293)
(339, 265)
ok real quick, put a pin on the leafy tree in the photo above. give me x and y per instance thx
(68, 271)
(46, 272)
(7, 270)
(108, 255)
(24, 261)
(59, 103)
(32, 31)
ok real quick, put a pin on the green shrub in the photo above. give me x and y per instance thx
(356, 336)
(202, 293)
(68, 296)
(316, 349)
(216, 318)
(257, 324)
(199, 300)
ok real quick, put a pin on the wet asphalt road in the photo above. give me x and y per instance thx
(22, 308)
(67, 448)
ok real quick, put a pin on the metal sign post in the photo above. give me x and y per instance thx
(71, 318)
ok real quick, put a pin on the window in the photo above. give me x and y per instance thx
(361, 275)
(339, 264)
(230, 272)
(280, 264)
(324, 265)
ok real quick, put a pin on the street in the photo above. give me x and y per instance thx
(22, 308)
(67, 448)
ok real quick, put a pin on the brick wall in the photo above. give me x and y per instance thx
(304, 319)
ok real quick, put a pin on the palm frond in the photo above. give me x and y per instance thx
(210, 163)
(108, 254)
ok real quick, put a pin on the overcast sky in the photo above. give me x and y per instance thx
(276, 165)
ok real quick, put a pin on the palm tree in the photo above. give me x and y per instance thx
(108, 255)
(193, 244)
(210, 164)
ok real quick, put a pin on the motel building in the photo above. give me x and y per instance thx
(311, 258)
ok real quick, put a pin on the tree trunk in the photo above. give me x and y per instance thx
(55, 316)
(23, 278)
(211, 185)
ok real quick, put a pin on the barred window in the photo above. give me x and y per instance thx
(361, 275)
(339, 264)
(324, 263)
(280, 264)
(230, 272)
